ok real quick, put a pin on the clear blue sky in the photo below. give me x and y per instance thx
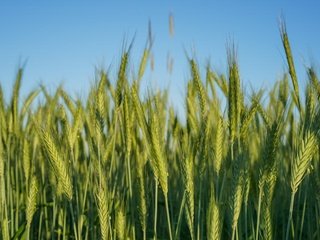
(63, 41)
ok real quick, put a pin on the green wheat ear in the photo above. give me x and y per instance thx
(57, 164)
(302, 160)
(188, 177)
(32, 200)
(103, 212)
(158, 161)
(1, 164)
(237, 190)
(26, 159)
(143, 63)
(121, 223)
(214, 219)
(234, 95)
(199, 88)
(292, 70)
(219, 146)
(142, 209)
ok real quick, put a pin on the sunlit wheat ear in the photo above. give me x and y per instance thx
(311, 103)
(234, 94)
(2, 182)
(272, 142)
(214, 220)
(2, 102)
(237, 190)
(247, 186)
(237, 200)
(100, 109)
(120, 224)
(122, 78)
(192, 121)
(218, 147)
(264, 115)
(313, 78)
(210, 76)
(32, 200)
(268, 228)
(158, 161)
(188, 174)
(222, 83)
(139, 111)
(109, 147)
(249, 117)
(68, 101)
(292, 71)
(15, 100)
(270, 183)
(1, 164)
(103, 213)
(27, 103)
(284, 90)
(57, 164)
(200, 89)
(142, 195)
(301, 162)
(270, 178)
(143, 63)
(76, 126)
(26, 159)
(127, 123)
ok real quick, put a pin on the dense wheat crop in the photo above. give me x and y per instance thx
(117, 165)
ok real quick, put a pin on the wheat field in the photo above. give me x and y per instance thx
(120, 164)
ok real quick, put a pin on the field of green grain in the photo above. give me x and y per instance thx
(117, 165)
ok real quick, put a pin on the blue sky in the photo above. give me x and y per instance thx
(63, 41)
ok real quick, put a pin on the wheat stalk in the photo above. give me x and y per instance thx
(5, 230)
